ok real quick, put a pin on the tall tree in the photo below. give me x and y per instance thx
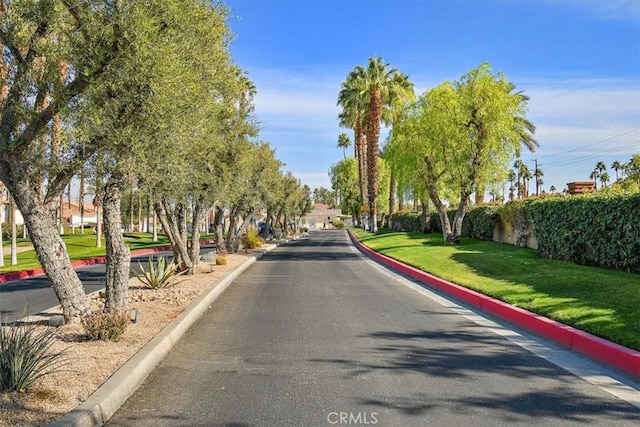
(382, 85)
(467, 132)
(344, 142)
(353, 100)
(87, 37)
(617, 166)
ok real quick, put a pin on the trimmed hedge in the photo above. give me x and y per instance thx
(479, 222)
(599, 229)
(595, 230)
(406, 221)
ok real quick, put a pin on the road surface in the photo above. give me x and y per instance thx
(313, 334)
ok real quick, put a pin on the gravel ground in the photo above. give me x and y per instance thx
(90, 363)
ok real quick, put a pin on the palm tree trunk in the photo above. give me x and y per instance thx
(373, 133)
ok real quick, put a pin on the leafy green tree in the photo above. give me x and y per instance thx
(344, 179)
(467, 132)
(325, 196)
(37, 38)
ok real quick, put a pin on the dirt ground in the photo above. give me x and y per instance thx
(89, 363)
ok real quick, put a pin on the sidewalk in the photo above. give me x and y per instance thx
(6, 249)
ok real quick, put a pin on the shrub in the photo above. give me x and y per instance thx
(159, 275)
(251, 239)
(479, 221)
(338, 223)
(26, 356)
(221, 260)
(593, 229)
(406, 221)
(105, 326)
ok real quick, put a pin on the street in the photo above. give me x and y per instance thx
(33, 295)
(313, 334)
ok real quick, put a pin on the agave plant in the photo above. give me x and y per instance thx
(160, 274)
(26, 356)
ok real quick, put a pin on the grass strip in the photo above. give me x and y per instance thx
(80, 247)
(602, 302)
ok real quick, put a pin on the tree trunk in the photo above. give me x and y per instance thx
(219, 232)
(139, 211)
(14, 232)
(155, 226)
(373, 133)
(199, 214)
(118, 262)
(425, 219)
(51, 251)
(130, 225)
(233, 243)
(463, 207)
(173, 222)
(81, 199)
(98, 228)
(361, 155)
(392, 195)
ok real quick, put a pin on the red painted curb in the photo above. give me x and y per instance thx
(615, 355)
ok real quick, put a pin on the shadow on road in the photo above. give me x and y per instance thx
(464, 356)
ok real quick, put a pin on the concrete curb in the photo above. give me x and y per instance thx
(108, 398)
(614, 355)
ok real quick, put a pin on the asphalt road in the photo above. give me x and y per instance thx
(315, 335)
(34, 294)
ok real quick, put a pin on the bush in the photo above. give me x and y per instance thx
(221, 260)
(159, 275)
(594, 229)
(479, 222)
(251, 239)
(105, 326)
(26, 356)
(339, 224)
(406, 221)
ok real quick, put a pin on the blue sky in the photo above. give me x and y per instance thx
(578, 60)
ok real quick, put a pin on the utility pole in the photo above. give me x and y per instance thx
(536, 174)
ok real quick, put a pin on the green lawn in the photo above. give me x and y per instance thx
(80, 246)
(603, 302)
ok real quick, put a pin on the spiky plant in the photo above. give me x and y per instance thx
(26, 356)
(160, 274)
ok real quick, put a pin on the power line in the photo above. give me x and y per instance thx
(594, 143)
(591, 156)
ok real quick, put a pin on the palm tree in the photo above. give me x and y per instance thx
(518, 165)
(526, 177)
(594, 176)
(538, 174)
(344, 142)
(353, 101)
(604, 179)
(512, 179)
(617, 166)
(384, 86)
(552, 189)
